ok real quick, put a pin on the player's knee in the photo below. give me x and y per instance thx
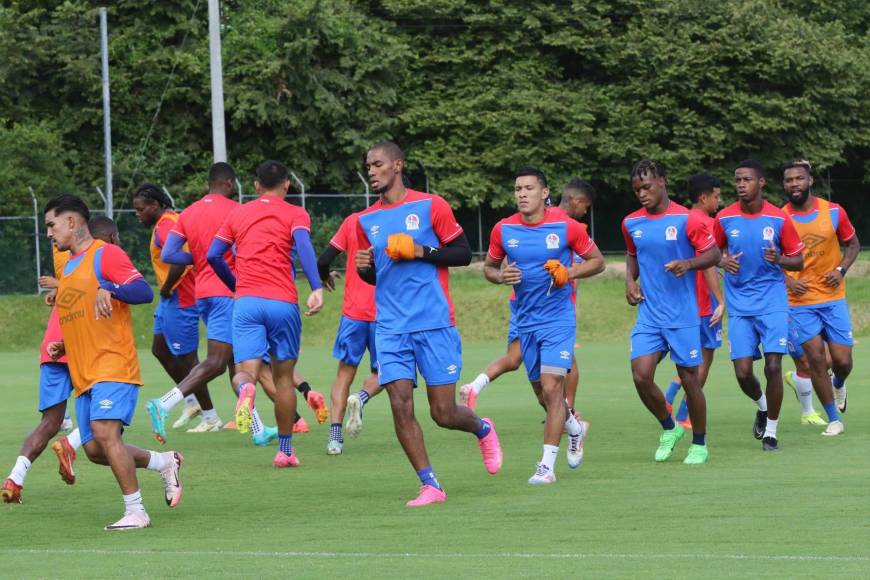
(641, 379)
(772, 368)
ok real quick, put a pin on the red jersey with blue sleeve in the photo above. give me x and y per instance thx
(705, 298)
(198, 225)
(758, 287)
(185, 287)
(359, 297)
(262, 231)
(529, 246)
(656, 239)
(410, 295)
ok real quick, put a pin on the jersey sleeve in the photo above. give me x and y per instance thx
(179, 228)
(578, 239)
(443, 221)
(226, 233)
(161, 232)
(340, 240)
(719, 234)
(301, 220)
(699, 234)
(629, 243)
(116, 267)
(789, 239)
(496, 250)
(845, 229)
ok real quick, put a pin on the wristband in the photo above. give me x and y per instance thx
(842, 270)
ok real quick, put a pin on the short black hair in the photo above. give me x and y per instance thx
(752, 164)
(393, 150)
(221, 171)
(102, 225)
(533, 171)
(271, 174)
(648, 167)
(581, 186)
(701, 183)
(68, 202)
(151, 192)
(802, 163)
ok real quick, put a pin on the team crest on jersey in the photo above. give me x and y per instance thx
(768, 234)
(375, 230)
(412, 222)
(552, 242)
(735, 233)
(513, 243)
(671, 233)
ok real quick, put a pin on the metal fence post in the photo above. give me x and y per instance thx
(169, 195)
(479, 230)
(105, 201)
(366, 185)
(36, 237)
(239, 187)
(301, 187)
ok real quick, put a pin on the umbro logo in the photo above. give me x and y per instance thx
(783, 342)
(693, 353)
(106, 404)
(564, 355)
(69, 297)
(735, 233)
(812, 240)
(513, 243)
(637, 234)
(451, 370)
(375, 230)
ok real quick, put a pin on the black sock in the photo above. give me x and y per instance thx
(304, 388)
(297, 417)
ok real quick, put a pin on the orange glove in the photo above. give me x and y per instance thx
(558, 272)
(400, 247)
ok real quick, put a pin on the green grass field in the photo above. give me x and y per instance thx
(801, 512)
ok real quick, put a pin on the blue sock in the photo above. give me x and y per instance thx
(284, 444)
(838, 382)
(427, 477)
(484, 430)
(672, 391)
(683, 411)
(831, 410)
(667, 424)
(363, 397)
(699, 438)
(335, 432)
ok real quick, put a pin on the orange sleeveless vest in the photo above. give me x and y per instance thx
(821, 255)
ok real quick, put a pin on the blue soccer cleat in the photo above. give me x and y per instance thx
(158, 420)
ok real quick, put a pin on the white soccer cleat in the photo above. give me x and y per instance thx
(575, 446)
(543, 475)
(834, 428)
(187, 415)
(334, 448)
(131, 521)
(208, 425)
(354, 416)
(171, 481)
(840, 398)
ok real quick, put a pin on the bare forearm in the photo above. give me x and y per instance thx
(853, 248)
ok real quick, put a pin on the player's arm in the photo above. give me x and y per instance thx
(792, 257)
(706, 247)
(849, 238)
(308, 260)
(454, 250)
(633, 293)
(364, 260)
(173, 250)
(711, 276)
(583, 246)
(118, 279)
(493, 269)
(215, 257)
(176, 273)
(324, 261)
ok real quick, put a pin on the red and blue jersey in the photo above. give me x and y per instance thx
(412, 295)
(656, 239)
(758, 287)
(359, 297)
(529, 247)
(705, 298)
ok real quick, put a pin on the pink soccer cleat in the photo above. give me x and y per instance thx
(283, 460)
(245, 407)
(490, 448)
(11, 492)
(66, 456)
(428, 495)
(300, 426)
(315, 401)
(467, 396)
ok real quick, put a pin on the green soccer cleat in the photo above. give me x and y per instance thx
(697, 455)
(158, 420)
(813, 419)
(668, 441)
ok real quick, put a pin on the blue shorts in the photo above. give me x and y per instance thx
(217, 315)
(262, 326)
(795, 347)
(55, 384)
(352, 340)
(436, 353)
(830, 320)
(513, 333)
(178, 326)
(684, 344)
(105, 401)
(746, 333)
(711, 336)
(547, 350)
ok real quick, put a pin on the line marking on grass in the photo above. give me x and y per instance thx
(417, 555)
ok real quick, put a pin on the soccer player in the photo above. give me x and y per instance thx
(176, 319)
(356, 333)
(704, 193)
(197, 226)
(817, 293)
(407, 242)
(539, 244)
(266, 315)
(665, 241)
(99, 283)
(761, 242)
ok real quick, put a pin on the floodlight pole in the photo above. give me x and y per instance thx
(239, 187)
(107, 115)
(169, 195)
(366, 185)
(218, 131)
(36, 237)
(105, 200)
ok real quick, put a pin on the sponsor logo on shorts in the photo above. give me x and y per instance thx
(719, 334)
(735, 233)
(783, 341)
(513, 243)
(176, 346)
(693, 353)
(671, 233)
(564, 355)
(106, 404)
(552, 242)
(767, 233)
(412, 222)
(451, 370)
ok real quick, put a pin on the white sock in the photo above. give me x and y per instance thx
(75, 439)
(256, 423)
(191, 401)
(770, 429)
(157, 462)
(479, 383)
(762, 403)
(19, 472)
(133, 502)
(572, 425)
(549, 458)
(210, 414)
(170, 399)
(66, 416)
(804, 387)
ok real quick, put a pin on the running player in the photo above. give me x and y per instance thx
(356, 333)
(266, 315)
(99, 283)
(817, 293)
(176, 319)
(539, 244)
(665, 241)
(407, 241)
(761, 242)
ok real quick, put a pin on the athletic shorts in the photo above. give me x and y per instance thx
(178, 326)
(547, 350)
(55, 385)
(795, 347)
(830, 320)
(105, 401)
(352, 340)
(711, 336)
(747, 333)
(437, 354)
(684, 344)
(262, 326)
(217, 315)
(513, 333)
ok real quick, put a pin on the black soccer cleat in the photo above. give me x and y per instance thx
(760, 424)
(769, 444)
